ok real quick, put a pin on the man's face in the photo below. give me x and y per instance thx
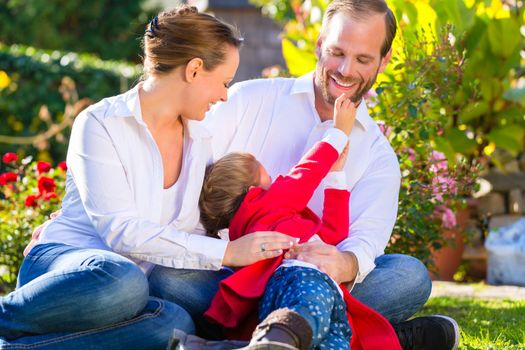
(349, 57)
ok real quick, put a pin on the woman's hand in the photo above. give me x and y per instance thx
(256, 246)
(36, 233)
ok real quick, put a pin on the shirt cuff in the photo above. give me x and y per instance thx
(336, 138)
(365, 263)
(210, 249)
(335, 180)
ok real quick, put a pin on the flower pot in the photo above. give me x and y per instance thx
(447, 259)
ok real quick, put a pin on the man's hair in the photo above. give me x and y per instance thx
(226, 183)
(360, 10)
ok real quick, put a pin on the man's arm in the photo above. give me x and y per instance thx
(373, 213)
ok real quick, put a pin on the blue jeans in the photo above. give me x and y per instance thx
(72, 298)
(397, 288)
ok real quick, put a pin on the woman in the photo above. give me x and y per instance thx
(136, 163)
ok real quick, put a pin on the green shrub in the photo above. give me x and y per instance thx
(29, 192)
(30, 79)
(107, 28)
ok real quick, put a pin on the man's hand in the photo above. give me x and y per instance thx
(341, 266)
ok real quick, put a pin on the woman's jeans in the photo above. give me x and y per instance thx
(72, 298)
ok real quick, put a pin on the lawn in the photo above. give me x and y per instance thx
(485, 324)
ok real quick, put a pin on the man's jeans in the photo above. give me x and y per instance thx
(71, 298)
(397, 288)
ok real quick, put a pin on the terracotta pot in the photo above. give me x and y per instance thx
(447, 259)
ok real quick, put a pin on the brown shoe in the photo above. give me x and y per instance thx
(182, 341)
(282, 329)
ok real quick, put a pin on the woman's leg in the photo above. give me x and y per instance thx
(316, 298)
(67, 293)
(150, 330)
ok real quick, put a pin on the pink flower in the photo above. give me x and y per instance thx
(9, 157)
(448, 218)
(42, 167)
(63, 166)
(385, 129)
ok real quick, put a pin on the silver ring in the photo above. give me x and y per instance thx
(263, 247)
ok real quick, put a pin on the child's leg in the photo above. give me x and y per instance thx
(314, 296)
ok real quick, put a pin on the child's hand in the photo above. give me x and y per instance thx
(340, 162)
(344, 114)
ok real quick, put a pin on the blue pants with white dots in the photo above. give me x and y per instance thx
(313, 295)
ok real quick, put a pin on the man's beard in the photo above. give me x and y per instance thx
(362, 85)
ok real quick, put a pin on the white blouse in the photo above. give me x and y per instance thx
(114, 185)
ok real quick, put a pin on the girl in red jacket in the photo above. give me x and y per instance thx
(238, 194)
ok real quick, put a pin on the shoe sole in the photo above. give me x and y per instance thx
(456, 329)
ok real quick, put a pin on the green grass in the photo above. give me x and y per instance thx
(485, 324)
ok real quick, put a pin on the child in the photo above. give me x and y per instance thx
(301, 306)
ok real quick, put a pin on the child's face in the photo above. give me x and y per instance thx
(264, 179)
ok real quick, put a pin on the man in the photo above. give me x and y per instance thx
(279, 119)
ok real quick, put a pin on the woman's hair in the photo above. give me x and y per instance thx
(175, 37)
(226, 183)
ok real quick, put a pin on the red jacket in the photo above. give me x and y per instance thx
(284, 208)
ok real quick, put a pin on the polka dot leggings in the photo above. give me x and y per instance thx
(313, 295)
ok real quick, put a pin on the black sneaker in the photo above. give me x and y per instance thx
(434, 332)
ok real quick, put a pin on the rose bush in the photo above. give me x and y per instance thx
(29, 192)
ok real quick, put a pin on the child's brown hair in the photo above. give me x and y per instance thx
(226, 183)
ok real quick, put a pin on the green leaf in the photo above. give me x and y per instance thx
(412, 110)
(508, 137)
(473, 111)
(299, 62)
(504, 36)
(444, 146)
(460, 142)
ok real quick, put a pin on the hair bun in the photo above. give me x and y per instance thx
(187, 10)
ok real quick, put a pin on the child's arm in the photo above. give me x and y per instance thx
(297, 187)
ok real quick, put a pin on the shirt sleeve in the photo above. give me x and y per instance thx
(107, 197)
(373, 210)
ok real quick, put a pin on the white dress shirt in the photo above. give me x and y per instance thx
(276, 120)
(114, 185)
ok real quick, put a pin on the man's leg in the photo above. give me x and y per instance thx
(397, 288)
(193, 290)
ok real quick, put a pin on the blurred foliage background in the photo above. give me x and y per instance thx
(451, 102)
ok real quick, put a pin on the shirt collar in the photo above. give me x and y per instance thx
(305, 85)
(131, 108)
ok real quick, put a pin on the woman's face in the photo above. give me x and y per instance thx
(210, 87)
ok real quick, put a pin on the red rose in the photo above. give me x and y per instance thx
(46, 185)
(63, 166)
(9, 157)
(50, 195)
(31, 201)
(8, 177)
(42, 167)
